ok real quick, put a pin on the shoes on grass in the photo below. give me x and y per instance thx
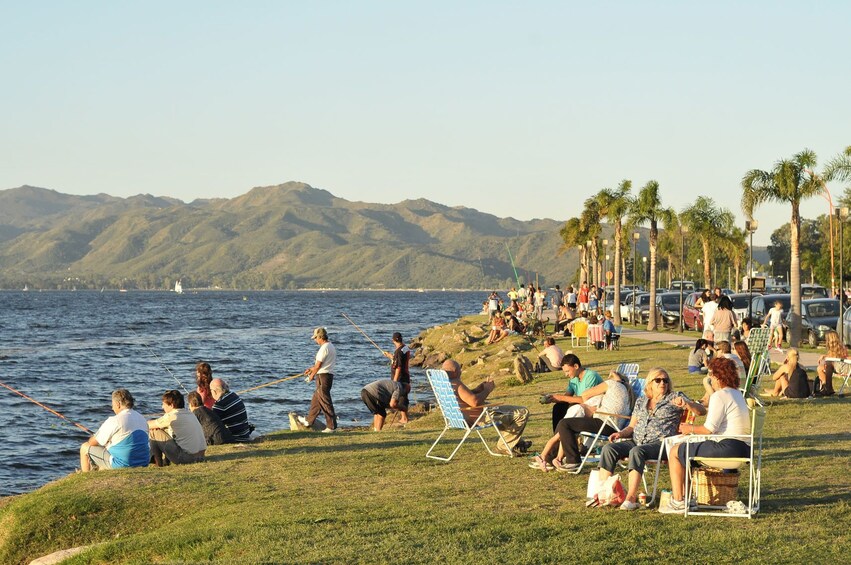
(540, 463)
(629, 505)
(565, 467)
(329, 430)
(673, 507)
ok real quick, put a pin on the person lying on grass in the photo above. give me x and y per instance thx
(728, 415)
(657, 415)
(617, 399)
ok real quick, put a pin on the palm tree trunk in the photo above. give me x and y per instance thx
(706, 273)
(795, 277)
(654, 234)
(670, 262)
(616, 306)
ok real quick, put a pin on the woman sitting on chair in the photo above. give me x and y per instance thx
(615, 397)
(728, 415)
(790, 380)
(656, 416)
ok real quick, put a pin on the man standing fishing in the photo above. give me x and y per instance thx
(323, 373)
(399, 371)
(121, 441)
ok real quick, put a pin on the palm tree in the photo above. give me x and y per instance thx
(708, 223)
(614, 205)
(736, 247)
(839, 167)
(590, 223)
(648, 208)
(791, 180)
(669, 246)
(573, 236)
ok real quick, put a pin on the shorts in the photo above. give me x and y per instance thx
(100, 457)
(372, 404)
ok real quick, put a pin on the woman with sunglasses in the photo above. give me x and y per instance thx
(728, 415)
(657, 415)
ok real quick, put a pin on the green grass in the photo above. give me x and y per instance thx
(362, 497)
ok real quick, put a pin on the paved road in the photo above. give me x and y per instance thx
(808, 359)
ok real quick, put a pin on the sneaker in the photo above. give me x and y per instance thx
(629, 505)
(303, 421)
(329, 430)
(673, 507)
(523, 445)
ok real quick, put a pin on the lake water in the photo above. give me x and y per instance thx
(70, 350)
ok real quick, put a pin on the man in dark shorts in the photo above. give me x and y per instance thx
(399, 370)
(381, 395)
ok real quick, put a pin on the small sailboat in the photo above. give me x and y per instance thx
(26, 288)
(178, 287)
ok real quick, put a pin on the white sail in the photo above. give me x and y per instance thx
(178, 288)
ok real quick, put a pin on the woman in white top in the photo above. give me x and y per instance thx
(728, 415)
(615, 397)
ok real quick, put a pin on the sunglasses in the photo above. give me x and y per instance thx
(661, 380)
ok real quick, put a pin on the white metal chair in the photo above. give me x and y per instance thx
(454, 417)
(598, 437)
(753, 461)
(630, 371)
(845, 373)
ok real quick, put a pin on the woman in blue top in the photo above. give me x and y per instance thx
(657, 415)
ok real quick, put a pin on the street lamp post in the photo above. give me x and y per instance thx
(683, 232)
(644, 269)
(605, 272)
(635, 237)
(841, 214)
(750, 227)
(771, 266)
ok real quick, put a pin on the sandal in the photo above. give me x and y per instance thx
(565, 467)
(539, 462)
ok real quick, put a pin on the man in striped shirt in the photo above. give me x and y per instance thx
(230, 410)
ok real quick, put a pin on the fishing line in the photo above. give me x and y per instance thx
(271, 383)
(154, 353)
(51, 410)
(364, 333)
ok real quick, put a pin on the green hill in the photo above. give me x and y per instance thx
(286, 236)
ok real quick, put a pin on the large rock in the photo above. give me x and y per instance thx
(435, 360)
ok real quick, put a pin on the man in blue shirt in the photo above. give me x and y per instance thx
(121, 441)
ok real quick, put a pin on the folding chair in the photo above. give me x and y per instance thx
(753, 461)
(688, 418)
(607, 420)
(630, 371)
(760, 362)
(580, 332)
(595, 335)
(844, 373)
(615, 342)
(454, 418)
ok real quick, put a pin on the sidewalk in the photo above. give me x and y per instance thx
(808, 359)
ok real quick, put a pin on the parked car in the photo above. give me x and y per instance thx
(668, 307)
(640, 311)
(740, 305)
(692, 317)
(688, 286)
(818, 315)
(846, 326)
(762, 304)
(809, 291)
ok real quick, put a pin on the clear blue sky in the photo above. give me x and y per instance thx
(517, 109)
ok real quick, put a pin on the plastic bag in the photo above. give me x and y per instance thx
(611, 492)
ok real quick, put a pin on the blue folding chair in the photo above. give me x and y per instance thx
(629, 370)
(454, 417)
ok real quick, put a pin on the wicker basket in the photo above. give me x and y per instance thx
(714, 486)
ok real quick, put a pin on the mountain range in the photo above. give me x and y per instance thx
(286, 236)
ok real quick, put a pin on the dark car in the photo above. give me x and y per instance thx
(809, 291)
(668, 307)
(762, 304)
(740, 301)
(818, 315)
(692, 317)
(640, 311)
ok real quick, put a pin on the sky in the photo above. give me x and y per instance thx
(515, 109)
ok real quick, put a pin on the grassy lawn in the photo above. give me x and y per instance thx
(363, 497)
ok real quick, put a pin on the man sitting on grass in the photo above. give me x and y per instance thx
(230, 408)
(121, 441)
(509, 420)
(177, 434)
(550, 358)
(215, 432)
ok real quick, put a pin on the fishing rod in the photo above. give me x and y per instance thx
(51, 410)
(364, 333)
(154, 353)
(271, 383)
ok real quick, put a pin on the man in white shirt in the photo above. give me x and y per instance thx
(323, 372)
(177, 434)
